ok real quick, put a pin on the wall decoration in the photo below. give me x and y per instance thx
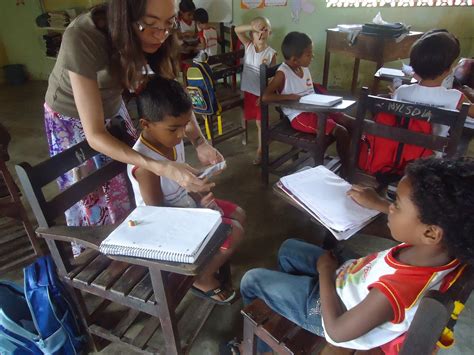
(251, 4)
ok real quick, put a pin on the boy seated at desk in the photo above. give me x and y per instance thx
(292, 81)
(370, 302)
(432, 58)
(166, 111)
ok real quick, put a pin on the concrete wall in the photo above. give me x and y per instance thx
(23, 43)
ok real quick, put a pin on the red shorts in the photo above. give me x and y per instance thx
(308, 122)
(251, 110)
(228, 209)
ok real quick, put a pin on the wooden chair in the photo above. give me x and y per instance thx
(436, 314)
(134, 294)
(369, 104)
(18, 245)
(229, 97)
(303, 145)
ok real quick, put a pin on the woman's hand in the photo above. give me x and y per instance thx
(327, 263)
(367, 197)
(183, 174)
(208, 155)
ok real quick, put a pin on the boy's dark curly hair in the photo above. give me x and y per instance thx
(201, 16)
(294, 44)
(163, 97)
(443, 192)
(434, 53)
(187, 6)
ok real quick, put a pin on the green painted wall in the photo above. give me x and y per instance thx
(459, 20)
(3, 60)
(23, 43)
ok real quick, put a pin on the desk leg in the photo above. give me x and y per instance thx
(166, 307)
(327, 58)
(375, 84)
(320, 139)
(355, 75)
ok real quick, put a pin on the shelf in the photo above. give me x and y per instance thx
(58, 29)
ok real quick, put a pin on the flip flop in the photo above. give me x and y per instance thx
(257, 160)
(229, 348)
(208, 295)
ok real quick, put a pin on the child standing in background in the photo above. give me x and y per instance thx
(292, 81)
(254, 37)
(207, 34)
(187, 25)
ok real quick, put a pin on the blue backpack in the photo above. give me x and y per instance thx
(203, 95)
(39, 318)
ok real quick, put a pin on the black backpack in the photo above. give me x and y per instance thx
(390, 30)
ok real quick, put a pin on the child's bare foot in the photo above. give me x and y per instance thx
(258, 158)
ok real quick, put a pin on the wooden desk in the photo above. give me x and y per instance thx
(322, 112)
(375, 49)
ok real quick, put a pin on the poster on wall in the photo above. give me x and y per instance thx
(269, 3)
(252, 4)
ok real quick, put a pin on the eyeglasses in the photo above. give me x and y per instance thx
(171, 25)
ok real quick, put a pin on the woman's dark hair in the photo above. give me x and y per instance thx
(187, 6)
(163, 97)
(434, 53)
(294, 44)
(116, 19)
(201, 16)
(442, 191)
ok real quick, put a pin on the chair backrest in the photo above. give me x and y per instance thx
(34, 178)
(229, 41)
(373, 104)
(266, 73)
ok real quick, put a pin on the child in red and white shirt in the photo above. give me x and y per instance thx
(292, 81)
(207, 34)
(254, 37)
(186, 23)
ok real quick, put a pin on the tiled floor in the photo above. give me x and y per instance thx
(270, 220)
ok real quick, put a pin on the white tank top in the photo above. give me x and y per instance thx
(184, 27)
(174, 195)
(295, 85)
(251, 73)
(210, 38)
(437, 96)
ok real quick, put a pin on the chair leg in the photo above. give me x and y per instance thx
(166, 311)
(265, 162)
(249, 343)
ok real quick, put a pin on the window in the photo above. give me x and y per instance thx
(397, 3)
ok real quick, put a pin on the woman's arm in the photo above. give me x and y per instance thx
(276, 85)
(206, 153)
(89, 105)
(342, 325)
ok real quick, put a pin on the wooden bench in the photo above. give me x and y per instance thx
(136, 299)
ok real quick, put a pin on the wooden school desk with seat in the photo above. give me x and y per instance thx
(372, 48)
(136, 299)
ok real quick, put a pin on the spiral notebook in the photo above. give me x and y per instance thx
(163, 233)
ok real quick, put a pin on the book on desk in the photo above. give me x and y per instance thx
(163, 233)
(320, 100)
(323, 195)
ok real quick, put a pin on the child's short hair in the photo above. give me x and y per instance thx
(262, 19)
(442, 191)
(294, 44)
(162, 97)
(434, 53)
(187, 6)
(201, 16)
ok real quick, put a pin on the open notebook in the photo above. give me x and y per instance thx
(323, 195)
(163, 233)
(320, 100)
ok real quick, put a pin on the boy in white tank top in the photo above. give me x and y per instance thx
(207, 34)
(292, 81)
(254, 37)
(166, 110)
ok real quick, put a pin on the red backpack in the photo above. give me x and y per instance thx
(385, 158)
